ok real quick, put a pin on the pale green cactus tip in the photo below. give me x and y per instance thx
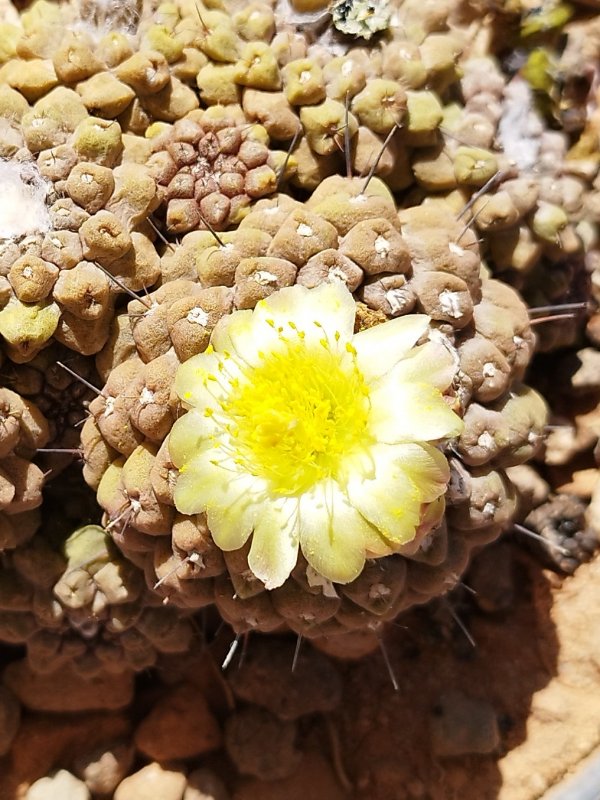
(87, 545)
(545, 17)
(308, 436)
(28, 326)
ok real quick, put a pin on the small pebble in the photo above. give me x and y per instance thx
(66, 690)
(462, 725)
(581, 371)
(314, 779)
(561, 523)
(104, 767)
(179, 726)
(60, 786)
(261, 745)
(152, 783)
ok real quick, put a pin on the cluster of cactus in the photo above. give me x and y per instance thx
(400, 264)
(245, 134)
(85, 606)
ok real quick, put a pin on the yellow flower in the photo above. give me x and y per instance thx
(301, 433)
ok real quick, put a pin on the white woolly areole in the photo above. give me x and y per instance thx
(146, 396)
(382, 246)
(397, 299)
(198, 316)
(23, 209)
(450, 304)
(520, 127)
(264, 278)
(100, 17)
(338, 274)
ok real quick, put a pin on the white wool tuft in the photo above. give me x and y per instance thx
(100, 17)
(23, 192)
(520, 127)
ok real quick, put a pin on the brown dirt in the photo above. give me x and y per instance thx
(538, 667)
(529, 689)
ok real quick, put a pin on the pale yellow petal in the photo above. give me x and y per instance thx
(405, 412)
(376, 545)
(333, 534)
(198, 381)
(381, 347)
(329, 305)
(208, 481)
(243, 336)
(431, 363)
(231, 527)
(387, 497)
(190, 435)
(425, 465)
(274, 550)
(230, 497)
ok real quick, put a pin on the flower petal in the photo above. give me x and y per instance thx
(430, 363)
(230, 497)
(198, 382)
(190, 435)
(332, 533)
(330, 305)
(408, 412)
(240, 335)
(389, 499)
(425, 466)
(381, 347)
(231, 527)
(274, 550)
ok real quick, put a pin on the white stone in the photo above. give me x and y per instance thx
(61, 786)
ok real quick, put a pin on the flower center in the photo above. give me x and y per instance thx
(298, 414)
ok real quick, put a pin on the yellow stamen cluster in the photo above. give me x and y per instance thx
(297, 414)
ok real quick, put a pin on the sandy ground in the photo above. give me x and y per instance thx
(505, 718)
